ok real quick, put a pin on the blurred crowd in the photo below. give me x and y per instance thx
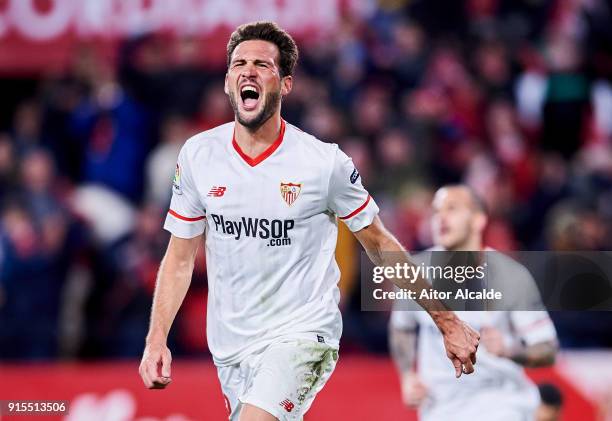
(512, 97)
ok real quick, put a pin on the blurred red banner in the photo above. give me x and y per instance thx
(361, 389)
(42, 35)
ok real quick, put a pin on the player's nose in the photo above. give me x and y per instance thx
(249, 70)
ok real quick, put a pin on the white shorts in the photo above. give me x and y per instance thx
(282, 379)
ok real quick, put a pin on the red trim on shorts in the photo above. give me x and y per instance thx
(269, 151)
(356, 211)
(185, 218)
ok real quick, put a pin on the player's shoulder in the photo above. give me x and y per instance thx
(310, 142)
(506, 267)
(503, 260)
(211, 138)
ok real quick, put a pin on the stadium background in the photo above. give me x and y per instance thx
(513, 97)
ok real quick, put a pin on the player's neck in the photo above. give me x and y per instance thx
(250, 141)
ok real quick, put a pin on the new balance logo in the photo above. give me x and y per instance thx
(217, 191)
(288, 405)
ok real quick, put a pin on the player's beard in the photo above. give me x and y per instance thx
(270, 105)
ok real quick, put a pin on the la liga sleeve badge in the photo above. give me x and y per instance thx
(176, 181)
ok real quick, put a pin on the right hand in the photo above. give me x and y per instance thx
(414, 391)
(155, 365)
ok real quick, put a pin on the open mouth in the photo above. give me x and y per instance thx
(250, 96)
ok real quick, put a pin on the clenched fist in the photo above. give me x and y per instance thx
(414, 390)
(155, 366)
(493, 341)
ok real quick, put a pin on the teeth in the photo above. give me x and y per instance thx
(249, 88)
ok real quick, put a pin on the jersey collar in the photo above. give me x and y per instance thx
(262, 156)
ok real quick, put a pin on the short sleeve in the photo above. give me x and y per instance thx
(530, 294)
(186, 217)
(533, 326)
(348, 199)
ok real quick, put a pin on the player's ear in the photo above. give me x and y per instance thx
(286, 85)
(481, 221)
(225, 88)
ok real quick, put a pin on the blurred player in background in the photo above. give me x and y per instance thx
(511, 339)
(267, 196)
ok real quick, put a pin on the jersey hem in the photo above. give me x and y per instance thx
(310, 336)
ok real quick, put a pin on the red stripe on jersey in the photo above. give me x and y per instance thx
(274, 146)
(185, 218)
(356, 211)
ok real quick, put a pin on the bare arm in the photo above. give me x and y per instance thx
(403, 349)
(539, 354)
(404, 352)
(173, 279)
(460, 340)
(542, 354)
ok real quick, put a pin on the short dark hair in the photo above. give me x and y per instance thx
(271, 32)
(477, 201)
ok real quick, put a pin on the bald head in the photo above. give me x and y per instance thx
(459, 218)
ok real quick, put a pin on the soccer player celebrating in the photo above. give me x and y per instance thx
(500, 390)
(267, 196)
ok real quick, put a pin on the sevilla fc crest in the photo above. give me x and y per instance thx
(290, 192)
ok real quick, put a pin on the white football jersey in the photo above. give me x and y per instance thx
(499, 385)
(271, 228)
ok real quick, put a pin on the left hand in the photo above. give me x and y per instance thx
(461, 343)
(493, 341)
